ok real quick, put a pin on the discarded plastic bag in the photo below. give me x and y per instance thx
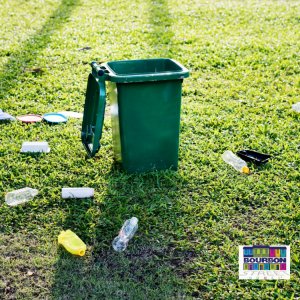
(253, 156)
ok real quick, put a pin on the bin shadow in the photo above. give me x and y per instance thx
(161, 38)
(148, 267)
(25, 56)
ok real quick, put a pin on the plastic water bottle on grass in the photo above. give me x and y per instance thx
(20, 196)
(126, 233)
(236, 162)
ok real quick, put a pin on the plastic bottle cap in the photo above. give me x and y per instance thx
(245, 170)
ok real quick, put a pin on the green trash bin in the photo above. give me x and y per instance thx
(145, 99)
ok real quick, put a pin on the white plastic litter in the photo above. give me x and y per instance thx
(83, 192)
(240, 165)
(6, 116)
(35, 147)
(20, 196)
(72, 114)
(296, 107)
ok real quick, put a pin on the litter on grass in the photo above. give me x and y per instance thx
(35, 147)
(126, 233)
(71, 114)
(5, 116)
(84, 48)
(253, 156)
(55, 118)
(240, 165)
(34, 70)
(20, 196)
(30, 118)
(83, 192)
(296, 107)
(72, 242)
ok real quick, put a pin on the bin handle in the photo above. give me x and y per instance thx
(94, 110)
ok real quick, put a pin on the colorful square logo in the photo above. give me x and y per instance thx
(264, 262)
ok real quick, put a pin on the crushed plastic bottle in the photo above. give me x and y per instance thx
(72, 242)
(236, 162)
(296, 107)
(126, 233)
(20, 196)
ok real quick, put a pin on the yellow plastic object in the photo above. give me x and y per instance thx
(72, 242)
(245, 170)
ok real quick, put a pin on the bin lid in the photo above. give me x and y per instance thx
(93, 117)
(142, 70)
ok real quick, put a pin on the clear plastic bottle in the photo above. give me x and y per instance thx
(296, 107)
(236, 162)
(126, 233)
(20, 196)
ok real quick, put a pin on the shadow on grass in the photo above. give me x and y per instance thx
(13, 71)
(161, 38)
(146, 269)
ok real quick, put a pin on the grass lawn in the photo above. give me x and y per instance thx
(245, 75)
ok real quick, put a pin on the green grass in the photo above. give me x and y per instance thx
(245, 75)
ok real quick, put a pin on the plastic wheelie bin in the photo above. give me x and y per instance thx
(145, 100)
